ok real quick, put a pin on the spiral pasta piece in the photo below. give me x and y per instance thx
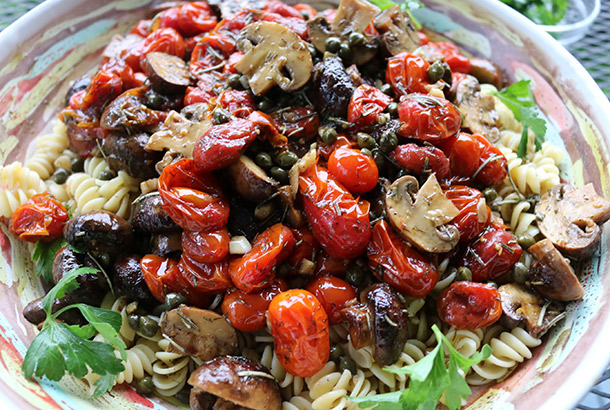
(466, 342)
(47, 149)
(170, 370)
(290, 385)
(17, 184)
(110, 302)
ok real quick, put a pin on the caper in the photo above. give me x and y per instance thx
(378, 157)
(106, 175)
(173, 300)
(286, 159)
(279, 174)
(436, 71)
(245, 83)
(346, 363)
(520, 273)
(327, 134)
(263, 160)
(220, 116)
(526, 240)
(388, 141)
(367, 151)
(145, 385)
(104, 259)
(61, 175)
(256, 146)
(392, 109)
(312, 49)
(265, 105)
(77, 164)
(336, 352)
(365, 140)
(386, 89)
(355, 275)
(490, 194)
(154, 101)
(159, 310)
(148, 327)
(463, 273)
(345, 52)
(134, 321)
(233, 81)
(355, 39)
(333, 44)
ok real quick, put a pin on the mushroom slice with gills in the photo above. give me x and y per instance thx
(236, 380)
(398, 34)
(353, 16)
(199, 332)
(477, 109)
(168, 74)
(422, 217)
(551, 274)
(274, 54)
(251, 181)
(571, 218)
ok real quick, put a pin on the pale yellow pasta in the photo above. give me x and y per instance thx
(466, 342)
(170, 370)
(47, 148)
(110, 302)
(17, 184)
(289, 384)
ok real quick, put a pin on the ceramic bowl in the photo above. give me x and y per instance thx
(62, 39)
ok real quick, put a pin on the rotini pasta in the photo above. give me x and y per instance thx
(290, 385)
(47, 149)
(170, 370)
(17, 184)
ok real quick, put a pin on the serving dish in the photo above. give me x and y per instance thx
(61, 40)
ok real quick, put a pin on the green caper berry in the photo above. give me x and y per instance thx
(148, 327)
(386, 89)
(312, 49)
(436, 71)
(378, 157)
(346, 363)
(245, 83)
(392, 109)
(388, 141)
(159, 310)
(77, 164)
(345, 52)
(61, 175)
(220, 116)
(365, 140)
(145, 385)
(336, 352)
(256, 146)
(355, 275)
(327, 134)
(104, 259)
(355, 39)
(106, 175)
(154, 101)
(520, 273)
(490, 194)
(526, 240)
(265, 105)
(134, 321)
(173, 300)
(263, 160)
(286, 159)
(233, 81)
(279, 174)
(463, 273)
(367, 152)
(333, 44)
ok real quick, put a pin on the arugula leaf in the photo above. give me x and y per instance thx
(66, 284)
(43, 256)
(429, 379)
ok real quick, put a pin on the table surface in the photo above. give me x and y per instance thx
(592, 51)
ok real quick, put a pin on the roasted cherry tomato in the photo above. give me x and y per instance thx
(492, 255)
(366, 104)
(469, 305)
(326, 265)
(222, 144)
(233, 59)
(237, 103)
(203, 278)
(206, 247)
(338, 221)
(324, 150)
(306, 249)
(164, 40)
(297, 122)
(267, 129)
(283, 9)
(189, 20)
(416, 159)
(298, 25)
(299, 326)
(464, 154)
(428, 118)
(246, 311)
(306, 10)
(40, 218)
(492, 164)
(474, 214)
(407, 73)
(398, 264)
(356, 171)
(454, 58)
(142, 28)
(210, 54)
(104, 87)
(193, 199)
(333, 293)
(255, 270)
(161, 275)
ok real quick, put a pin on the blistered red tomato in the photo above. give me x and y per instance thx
(189, 19)
(297, 122)
(474, 214)
(161, 274)
(428, 118)
(464, 154)
(206, 247)
(164, 40)
(469, 305)
(453, 56)
(210, 54)
(492, 163)
(40, 218)
(366, 104)
(333, 293)
(416, 159)
(356, 171)
(237, 103)
(304, 252)
(299, 326)
(492, 255)
(202, 279)
(407, 73)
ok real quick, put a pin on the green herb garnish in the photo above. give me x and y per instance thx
(43, 256)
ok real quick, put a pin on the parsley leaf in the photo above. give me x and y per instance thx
(429, 379)
(66, 284)
(43, 255)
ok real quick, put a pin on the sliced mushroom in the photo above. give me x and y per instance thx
(99, 231)
(486, 71)
(551, 274)
(398, 34)
(119, 44)
(478, 110)
(422, 217)
(127, 112)
(149, 216)
(168, 74)
(332, 87)
(201, 333)
(353, 16)
(571, 218)
(293, 216)
(274, 55)
(237, 380)
(251, 181)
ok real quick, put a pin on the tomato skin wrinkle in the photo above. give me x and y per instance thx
(40, 218)
(484, 258)
(333, 293)
(469, 305)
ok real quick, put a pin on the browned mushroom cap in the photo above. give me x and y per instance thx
(274, 55)
(237, 380)
(201, 333)
(168, 74)
(250, 180)
(551, 274)
(571, 219)
(397, 31)
(478, 110)
(486, 71)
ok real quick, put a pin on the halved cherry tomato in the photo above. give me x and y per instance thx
(210, 54)
(164, 40)
(193, 199)
(267, 129)
(492, 164)
(398, 264)
(297, 122)
(246, 311)
(356, 171)
(298, 25)
(453, 56)
(407, 73)
(492, 255)
(333, 293)
(474, 214)
(464, 154)
(416, 159)
(283, 9)
(366, 104)
(326, 265)
(161, 274)
(428, 118)
(40, 218)
(104, 87)
(222, 144)
(306, 248)
(299, 326)
(206, 247)
(237, 103)
(338, 221)
(255, 270)
(203, 278)
(469, 305)
(191, 19)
